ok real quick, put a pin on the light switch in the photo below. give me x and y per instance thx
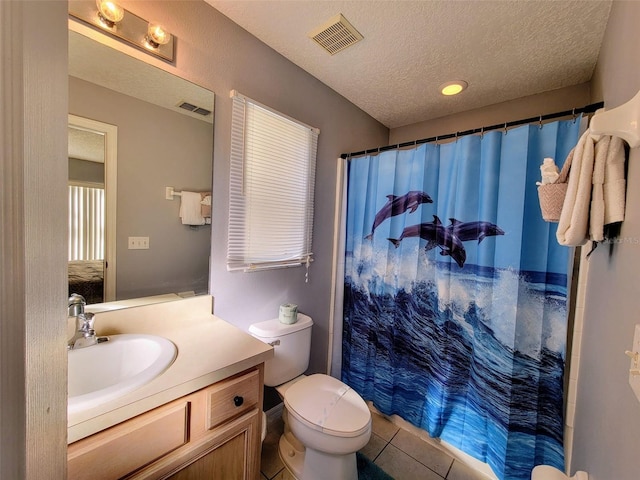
(634, 368)
(138, 243)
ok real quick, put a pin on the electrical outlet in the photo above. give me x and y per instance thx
(138, 243)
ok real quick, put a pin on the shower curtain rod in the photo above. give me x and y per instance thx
(588, 109)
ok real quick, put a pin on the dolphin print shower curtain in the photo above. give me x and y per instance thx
(455, 305)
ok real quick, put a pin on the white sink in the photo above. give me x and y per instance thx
(103, 372)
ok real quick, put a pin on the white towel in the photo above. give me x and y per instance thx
(609, 185)
(596, 217)
(615, 185)
(190, 209)
(574, 219)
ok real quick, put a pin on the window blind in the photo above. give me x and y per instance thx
(86, 223)
(272, 181)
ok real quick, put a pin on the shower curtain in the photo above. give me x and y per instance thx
(455, 294)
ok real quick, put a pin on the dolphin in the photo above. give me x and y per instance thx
(436, 235)
(398, 205)
(466, 231)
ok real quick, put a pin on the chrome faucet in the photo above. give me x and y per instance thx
(76, 305)
(85, 335)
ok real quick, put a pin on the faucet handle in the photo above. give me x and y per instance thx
(85, 321)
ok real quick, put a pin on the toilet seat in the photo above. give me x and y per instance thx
(325, 404)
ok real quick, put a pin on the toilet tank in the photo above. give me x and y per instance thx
(291, 347)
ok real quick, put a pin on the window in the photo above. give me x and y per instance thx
(273, 163)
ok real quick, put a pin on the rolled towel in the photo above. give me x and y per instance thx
(596, 215)
(614, 183)
(190, 209)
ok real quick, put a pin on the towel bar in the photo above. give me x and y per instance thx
(170, 193)
(619, 122)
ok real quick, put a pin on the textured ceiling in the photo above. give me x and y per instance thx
(504, 49)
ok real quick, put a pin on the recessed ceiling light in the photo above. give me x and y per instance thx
(453, 88)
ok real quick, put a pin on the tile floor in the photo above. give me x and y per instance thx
(403, 455)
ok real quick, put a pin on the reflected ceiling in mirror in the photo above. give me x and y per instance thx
(109, 68)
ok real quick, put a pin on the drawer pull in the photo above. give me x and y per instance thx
(238, 400)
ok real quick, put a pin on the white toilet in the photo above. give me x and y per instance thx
(546, 472)
(326, 421)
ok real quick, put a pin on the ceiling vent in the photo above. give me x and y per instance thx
(194, 108)
(336, 35)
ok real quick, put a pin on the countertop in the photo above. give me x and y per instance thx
(209, 350)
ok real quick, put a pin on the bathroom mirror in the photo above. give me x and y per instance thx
(161, 128)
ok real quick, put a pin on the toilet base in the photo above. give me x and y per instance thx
(546, 472)
(309, 464)
(291, 456)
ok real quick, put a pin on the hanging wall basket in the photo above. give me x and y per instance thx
(551, 195)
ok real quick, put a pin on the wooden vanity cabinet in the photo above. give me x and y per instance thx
(213, 433)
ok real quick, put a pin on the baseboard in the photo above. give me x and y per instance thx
(274, 413)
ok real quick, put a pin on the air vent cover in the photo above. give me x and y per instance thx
(336, 35)
(194, 108)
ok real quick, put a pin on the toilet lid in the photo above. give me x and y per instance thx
(328, 405)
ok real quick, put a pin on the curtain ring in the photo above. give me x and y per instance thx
(456, 137)
(481, 133)
(436, 139)
(573, 113)
(505, 128)
(540, 123)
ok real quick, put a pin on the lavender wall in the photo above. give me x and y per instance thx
(219, 55)
(525, 107)
(607, 422)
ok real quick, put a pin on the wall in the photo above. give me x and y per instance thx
(86, 171)
(33, 170)
(607, 421)
(219, 55)
(525, 107)
(156, 148)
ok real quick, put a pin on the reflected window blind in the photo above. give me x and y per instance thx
(272, 180)
(86, 223)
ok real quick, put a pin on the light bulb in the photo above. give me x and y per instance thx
(157, 35)
(453, 88)
(109, 12)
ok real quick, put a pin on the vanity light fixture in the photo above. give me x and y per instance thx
(453, 88)
(109, 17)
(156, 35)
(109, 12)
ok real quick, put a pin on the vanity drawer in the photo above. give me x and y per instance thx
(121, 449)
(231, 398)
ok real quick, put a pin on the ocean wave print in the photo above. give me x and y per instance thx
(452, 353)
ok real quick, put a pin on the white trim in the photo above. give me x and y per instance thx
(110, 133)
(274, 413)
(337, 271)
(33, 144)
